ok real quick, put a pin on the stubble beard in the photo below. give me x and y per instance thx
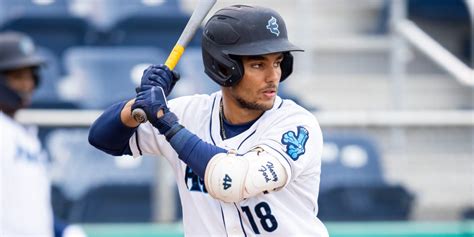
(252, 105)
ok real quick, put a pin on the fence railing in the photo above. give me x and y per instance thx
(349, 118)
(416, 37)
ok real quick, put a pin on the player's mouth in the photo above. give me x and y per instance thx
(269, 93)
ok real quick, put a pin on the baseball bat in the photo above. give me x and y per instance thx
(202, 9)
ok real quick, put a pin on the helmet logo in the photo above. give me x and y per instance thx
(273, 26)
(26, 46)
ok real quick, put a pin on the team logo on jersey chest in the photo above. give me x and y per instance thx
(295, 143)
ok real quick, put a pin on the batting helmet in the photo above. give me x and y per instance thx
(16, 51)
(242, 30)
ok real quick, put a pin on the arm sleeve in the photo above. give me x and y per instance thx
(193, 151)
(109, 134)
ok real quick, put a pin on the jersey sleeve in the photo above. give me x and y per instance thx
(296, 140)
(147, 140)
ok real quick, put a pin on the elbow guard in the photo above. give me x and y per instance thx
(231, 178)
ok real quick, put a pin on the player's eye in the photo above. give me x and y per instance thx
(257, 65)
(277, 63)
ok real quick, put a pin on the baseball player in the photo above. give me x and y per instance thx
(25, 208)
(247, 162)
(25, 204)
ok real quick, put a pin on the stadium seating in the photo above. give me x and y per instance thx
(112, 11)
(452, 14)
(139, 24)
(114, 203)
(56, 26)
(60, 203)
(352, 187)
(151, 30)
(193, 78)
(350, 159)
(87, 183)
(47, 94)
(55, 32)
(439, 10)
(468, 213)
(16, 8)
(100, 76)
(365, 203)
(78, 167)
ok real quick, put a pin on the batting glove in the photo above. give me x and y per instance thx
(158, 75)
(152, 101)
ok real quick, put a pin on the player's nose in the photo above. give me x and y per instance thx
(273, 74)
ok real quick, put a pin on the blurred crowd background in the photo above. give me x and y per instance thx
(398, 127)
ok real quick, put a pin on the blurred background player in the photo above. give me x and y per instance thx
(25, 208)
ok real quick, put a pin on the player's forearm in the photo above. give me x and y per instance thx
(194, 151)
(218, 167)
(109, 134)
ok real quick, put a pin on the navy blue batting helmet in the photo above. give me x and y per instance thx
(242, 30)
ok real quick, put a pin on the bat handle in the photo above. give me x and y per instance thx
(139, 115)
(174, 56)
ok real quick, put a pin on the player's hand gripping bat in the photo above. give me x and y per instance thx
(203, 7)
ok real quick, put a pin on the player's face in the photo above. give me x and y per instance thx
(22, 82)
(259, 86)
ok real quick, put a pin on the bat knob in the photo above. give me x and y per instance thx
(139, 115)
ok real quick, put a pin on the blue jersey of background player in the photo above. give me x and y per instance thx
(246, 161)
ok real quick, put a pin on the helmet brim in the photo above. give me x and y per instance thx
(262, 48)
(34, 61)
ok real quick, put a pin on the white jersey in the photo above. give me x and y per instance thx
(25, 208)
(287, 131)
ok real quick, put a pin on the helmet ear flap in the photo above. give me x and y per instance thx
(36, 76)
(286, 66)
(224, 70)
(10, 100)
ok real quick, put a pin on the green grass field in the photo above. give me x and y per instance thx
(336, 229)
